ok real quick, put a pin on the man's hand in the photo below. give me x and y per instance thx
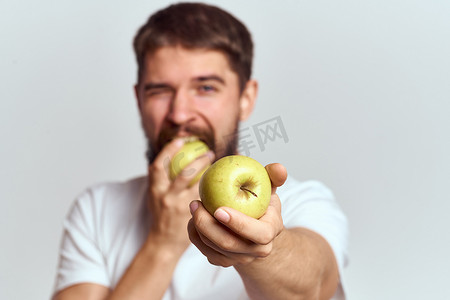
(274, 262)
(168, 201)
(231, 238)
(151, 270)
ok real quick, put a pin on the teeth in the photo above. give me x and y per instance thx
(189, 139)
(186, 139)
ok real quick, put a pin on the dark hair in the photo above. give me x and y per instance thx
(197, 25)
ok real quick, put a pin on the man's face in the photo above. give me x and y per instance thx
(185, 92)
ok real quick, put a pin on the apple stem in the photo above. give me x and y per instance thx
(247, 190)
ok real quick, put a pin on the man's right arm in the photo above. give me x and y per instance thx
(150, 272)
(88, 291)
(147, 277)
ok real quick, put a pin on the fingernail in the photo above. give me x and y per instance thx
(222, 215)
(193, 207)
(211, 155)
(179, 142)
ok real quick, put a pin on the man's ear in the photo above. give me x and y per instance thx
(136, 95)
(248, 99)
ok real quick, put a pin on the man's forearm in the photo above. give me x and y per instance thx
(149, 274)
(301, 266)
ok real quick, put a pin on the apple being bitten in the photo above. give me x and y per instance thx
(236, 181)
(190, 151)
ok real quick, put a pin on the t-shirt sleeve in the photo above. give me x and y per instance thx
(312, 205)
(81, 259)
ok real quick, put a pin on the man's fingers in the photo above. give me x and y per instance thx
(162, 160)
(278, 175)
(257, 231)
(223, 246)
(160, 168)
(247, 228)
(191, 174)
(214, 257)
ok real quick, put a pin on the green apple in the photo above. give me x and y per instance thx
(236, 181)
(190, 151)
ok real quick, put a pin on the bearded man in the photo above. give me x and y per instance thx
(149, 238)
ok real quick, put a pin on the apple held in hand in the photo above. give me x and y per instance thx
(190, 151)
(236, 181)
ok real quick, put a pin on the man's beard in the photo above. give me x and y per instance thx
(229, 145)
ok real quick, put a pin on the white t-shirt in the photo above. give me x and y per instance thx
(107, 225)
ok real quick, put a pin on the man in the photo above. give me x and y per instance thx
(129, 240)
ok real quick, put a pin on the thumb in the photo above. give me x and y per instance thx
(278, 175)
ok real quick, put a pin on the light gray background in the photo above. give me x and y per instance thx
(362, 88)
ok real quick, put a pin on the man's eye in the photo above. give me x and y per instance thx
(158, 93)
(207, 88)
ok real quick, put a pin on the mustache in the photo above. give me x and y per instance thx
(207, 135)
(168, 134)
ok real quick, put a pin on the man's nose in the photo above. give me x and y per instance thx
(181, 108)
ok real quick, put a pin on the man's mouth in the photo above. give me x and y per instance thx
(187, 133)
(191, 138)
(186, 139)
